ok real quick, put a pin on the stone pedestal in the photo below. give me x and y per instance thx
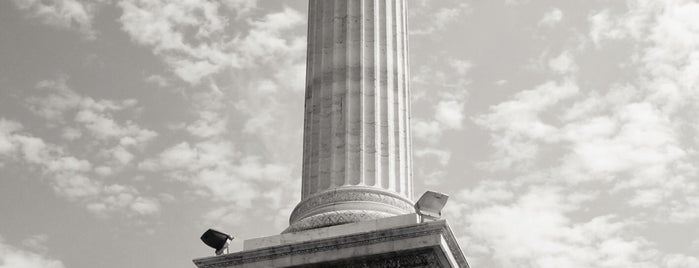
(356, 208)
(390, 242)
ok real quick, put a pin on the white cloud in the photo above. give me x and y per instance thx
(65, 14)
(518, 125)
(117, 197)
(56, 101)
(552, 17)
(450, 113)
(446, 92)
(563, 63)
(680, 261)
(71, 134)
(266, 43)
(241, 7)
(209, 124)
(12, 257)
(602, 27)
(163, 25)
(440, 18)
(462, 67)
(536, 231)
(7, 142)
(219, 169)
(69, 176)
(516, 2)
(428, 131)
(442, 156)
(36, 243)
(158, 80)
(193, 38)
(565, 149)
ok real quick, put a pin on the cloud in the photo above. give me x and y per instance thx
(217, 168)
(55, 101)
(208, 125)
(518, 126)
(442, 156)
(440, 18)
(93, 122)
(552, 17)
(216, 171)
(583, 173)
(450, 113)
(68, 175)
(512, 3)
(197, 41)
(563, 63)
(447, 96)
(433, 164)
(63, 14)
(164, 26)
(119, 197)
(36, 243)
(12, 257)
(241, 7)
(534, 230)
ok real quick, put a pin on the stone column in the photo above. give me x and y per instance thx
(357, 162)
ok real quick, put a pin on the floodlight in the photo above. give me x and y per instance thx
(217, 240)
(430, 205)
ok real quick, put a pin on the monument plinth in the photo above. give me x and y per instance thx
(357, 207)
(395, 242)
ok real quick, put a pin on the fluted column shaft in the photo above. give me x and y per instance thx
(357, 146)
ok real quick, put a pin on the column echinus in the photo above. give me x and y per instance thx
(357, 160)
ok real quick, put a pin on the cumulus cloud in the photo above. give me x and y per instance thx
(164, 25)
(70, 176)
(516, 2)
(563, 63)
(536, 230)
(218, 168)
(565, 149)
(441, 155)
(440, 17)
(208, 125)
(91, 121)
(552, 17)
(450, 113)
(57, 102)
(447, 96)
(36, 243)
(519, 125)
(13, 257)
(65, 14)
(241, 7)
(193, 37)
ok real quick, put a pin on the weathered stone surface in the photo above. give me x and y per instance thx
(357, 114)
(356, 208)
(332, 231)
(429, 244)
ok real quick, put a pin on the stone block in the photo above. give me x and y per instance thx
(430, 244)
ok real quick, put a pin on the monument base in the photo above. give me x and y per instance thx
(391, 242)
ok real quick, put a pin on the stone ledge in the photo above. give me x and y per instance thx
(332, 231)
(430, 244)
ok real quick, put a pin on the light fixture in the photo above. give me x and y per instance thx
(430, 205)
(217, 240)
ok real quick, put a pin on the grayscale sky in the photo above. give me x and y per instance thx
(566, 132)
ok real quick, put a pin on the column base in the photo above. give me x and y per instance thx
(347, 205)
(392, 242)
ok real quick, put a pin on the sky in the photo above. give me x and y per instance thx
(564, 131)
